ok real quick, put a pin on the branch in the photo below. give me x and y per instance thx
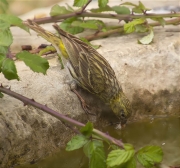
(82, 13)
(102, 15)
(104, 34)
(59, 116)
(121, 30)
(32, 102)
(84, 7)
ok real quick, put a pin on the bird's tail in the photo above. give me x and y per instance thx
(52, 38)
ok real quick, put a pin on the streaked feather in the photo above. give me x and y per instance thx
(91, 70)
(89, 66)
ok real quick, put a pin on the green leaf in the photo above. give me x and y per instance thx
(6, 38)
(131, 163)
(3, 50)
(141, 28)
(102, 9)
(9, 69)
(67, 26)
(94, 150)
(76, 142)
(80, 3)
(87, 42)
(128, 147)
(87, 129)
(114, 147)
(69, 8)
(85, 25)
(4, 25)
(128, 3)
(98, 158)
(149, 155)
(130, 27)
(121, 10)
(13, 20)
(34, 62)
(137, 10)
(102, 3)
(89, 24)
(3, 6)
(91, 146)
(119, 157)
(104, 29)
(140, 8)
(59, 10)
(2, 58)
(160, 20)
(1, 95)
(147, 39)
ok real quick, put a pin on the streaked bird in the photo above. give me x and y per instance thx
(89, 69)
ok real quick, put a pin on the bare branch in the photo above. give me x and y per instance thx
(59, 116)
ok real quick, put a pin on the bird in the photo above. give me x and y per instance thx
(89, 69)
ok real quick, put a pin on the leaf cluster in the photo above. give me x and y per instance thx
(7, 65)
(94, 149)
(76, 24)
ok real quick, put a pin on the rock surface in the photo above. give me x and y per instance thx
(149, 75)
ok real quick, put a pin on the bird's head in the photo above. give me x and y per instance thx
(122, 108)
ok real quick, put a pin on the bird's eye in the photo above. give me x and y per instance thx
(122, 115)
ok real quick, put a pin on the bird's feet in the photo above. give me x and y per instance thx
(84, 105)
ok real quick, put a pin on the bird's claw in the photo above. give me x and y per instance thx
(86, 108)
(84, 105)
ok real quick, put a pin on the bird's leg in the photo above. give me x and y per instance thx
(85, 106)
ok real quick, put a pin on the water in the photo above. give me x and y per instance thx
(164, 132)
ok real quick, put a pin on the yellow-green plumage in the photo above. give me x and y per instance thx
(90, 70)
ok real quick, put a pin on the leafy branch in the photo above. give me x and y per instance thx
(120, 17)
(139, 12)
(62, 117)
(91, 140)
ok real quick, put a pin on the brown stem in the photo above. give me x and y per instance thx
(104, 34)
(102, 15)
(121, 30)
(46, 109)
(9, 54)
(84, 7)
(59, 116)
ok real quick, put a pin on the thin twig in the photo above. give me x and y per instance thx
(83, 8)
(102, 15)
(121, 30)
(104, 34)
(59, 116)
(9, 54)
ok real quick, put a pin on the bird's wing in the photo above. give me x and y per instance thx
(92, 70)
